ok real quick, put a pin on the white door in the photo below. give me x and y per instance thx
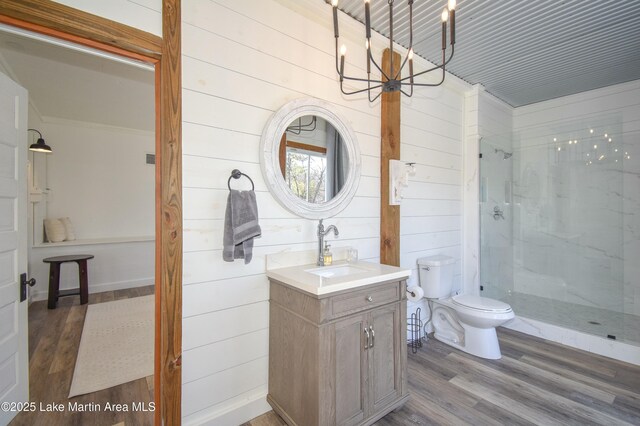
(14, 372)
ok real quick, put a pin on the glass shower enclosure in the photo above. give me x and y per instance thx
(552, 216)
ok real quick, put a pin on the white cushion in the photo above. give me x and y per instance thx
(55, 230)
(70, 232)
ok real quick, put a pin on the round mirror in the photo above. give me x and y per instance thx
(310, 159)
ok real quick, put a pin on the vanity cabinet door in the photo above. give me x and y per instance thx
(385, 356)
(350, 370)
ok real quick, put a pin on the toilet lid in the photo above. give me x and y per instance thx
(481, 303)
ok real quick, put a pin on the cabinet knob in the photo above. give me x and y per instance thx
(369, 299)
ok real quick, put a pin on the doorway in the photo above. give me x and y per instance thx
(96, 114)
(70, 24)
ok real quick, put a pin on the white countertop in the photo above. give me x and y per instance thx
(366, 273)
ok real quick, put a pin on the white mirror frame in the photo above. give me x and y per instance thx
(270, 159)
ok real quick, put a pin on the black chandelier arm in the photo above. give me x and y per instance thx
(399, 73)
(430, 84)
(302, 127)
(359, 91)
(337, 67)
(375, 97)
(444, 64)
(408, 94)
(361, 79)
(377, 66)
(369, 92)
(427, 84)
(390, 2)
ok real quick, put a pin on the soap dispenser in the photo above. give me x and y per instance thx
(328, 256)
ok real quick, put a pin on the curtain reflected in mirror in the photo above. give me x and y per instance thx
(313, 159)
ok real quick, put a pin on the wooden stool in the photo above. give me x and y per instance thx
(54, 278)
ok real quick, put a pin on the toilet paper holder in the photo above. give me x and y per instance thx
(414, 293)
(414, 330)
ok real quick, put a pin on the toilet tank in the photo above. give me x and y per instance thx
(436, 276)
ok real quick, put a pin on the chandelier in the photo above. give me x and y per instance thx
(393, 82)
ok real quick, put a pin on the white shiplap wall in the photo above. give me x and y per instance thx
(143, 14)
(241, 62)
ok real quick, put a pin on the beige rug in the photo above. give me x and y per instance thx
(116, 346)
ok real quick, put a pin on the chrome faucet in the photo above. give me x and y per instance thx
(321, 233)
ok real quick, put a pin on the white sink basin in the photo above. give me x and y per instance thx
(335, 271)
(320, 280)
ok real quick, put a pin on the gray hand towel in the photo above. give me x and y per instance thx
(240, 226)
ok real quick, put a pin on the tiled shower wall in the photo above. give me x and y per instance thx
(579, 217)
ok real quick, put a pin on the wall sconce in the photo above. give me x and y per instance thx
(399, 173)
(40, 145)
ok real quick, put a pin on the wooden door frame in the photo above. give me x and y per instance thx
(63, 22)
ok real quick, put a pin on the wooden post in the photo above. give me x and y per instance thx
(389, 150)
(168, 387)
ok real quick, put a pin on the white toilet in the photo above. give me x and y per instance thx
(465, 322)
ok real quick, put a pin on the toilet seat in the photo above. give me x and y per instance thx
(482, 304)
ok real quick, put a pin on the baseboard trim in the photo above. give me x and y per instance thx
(577, 339)
(233, 415)
(97, 288)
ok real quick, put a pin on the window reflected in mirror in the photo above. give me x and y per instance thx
(313, 159)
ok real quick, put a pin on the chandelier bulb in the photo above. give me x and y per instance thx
(445, 15)
(343, 50)
(334, 3)
(452, 5)
(410, 55)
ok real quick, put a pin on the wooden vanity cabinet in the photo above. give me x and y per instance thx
(338, 359)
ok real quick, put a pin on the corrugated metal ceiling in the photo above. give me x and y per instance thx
(524, 51)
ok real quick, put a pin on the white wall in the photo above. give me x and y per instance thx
(241, 62)
(98, 177)
(116, 265)
(143, 14)
(616, 110)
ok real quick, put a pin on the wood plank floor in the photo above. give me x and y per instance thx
(536, 382)
(54, 338)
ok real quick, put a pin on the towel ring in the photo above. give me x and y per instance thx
(236, 174)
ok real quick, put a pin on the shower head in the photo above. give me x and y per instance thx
(505, 155)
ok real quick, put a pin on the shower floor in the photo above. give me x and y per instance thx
(599, 322)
